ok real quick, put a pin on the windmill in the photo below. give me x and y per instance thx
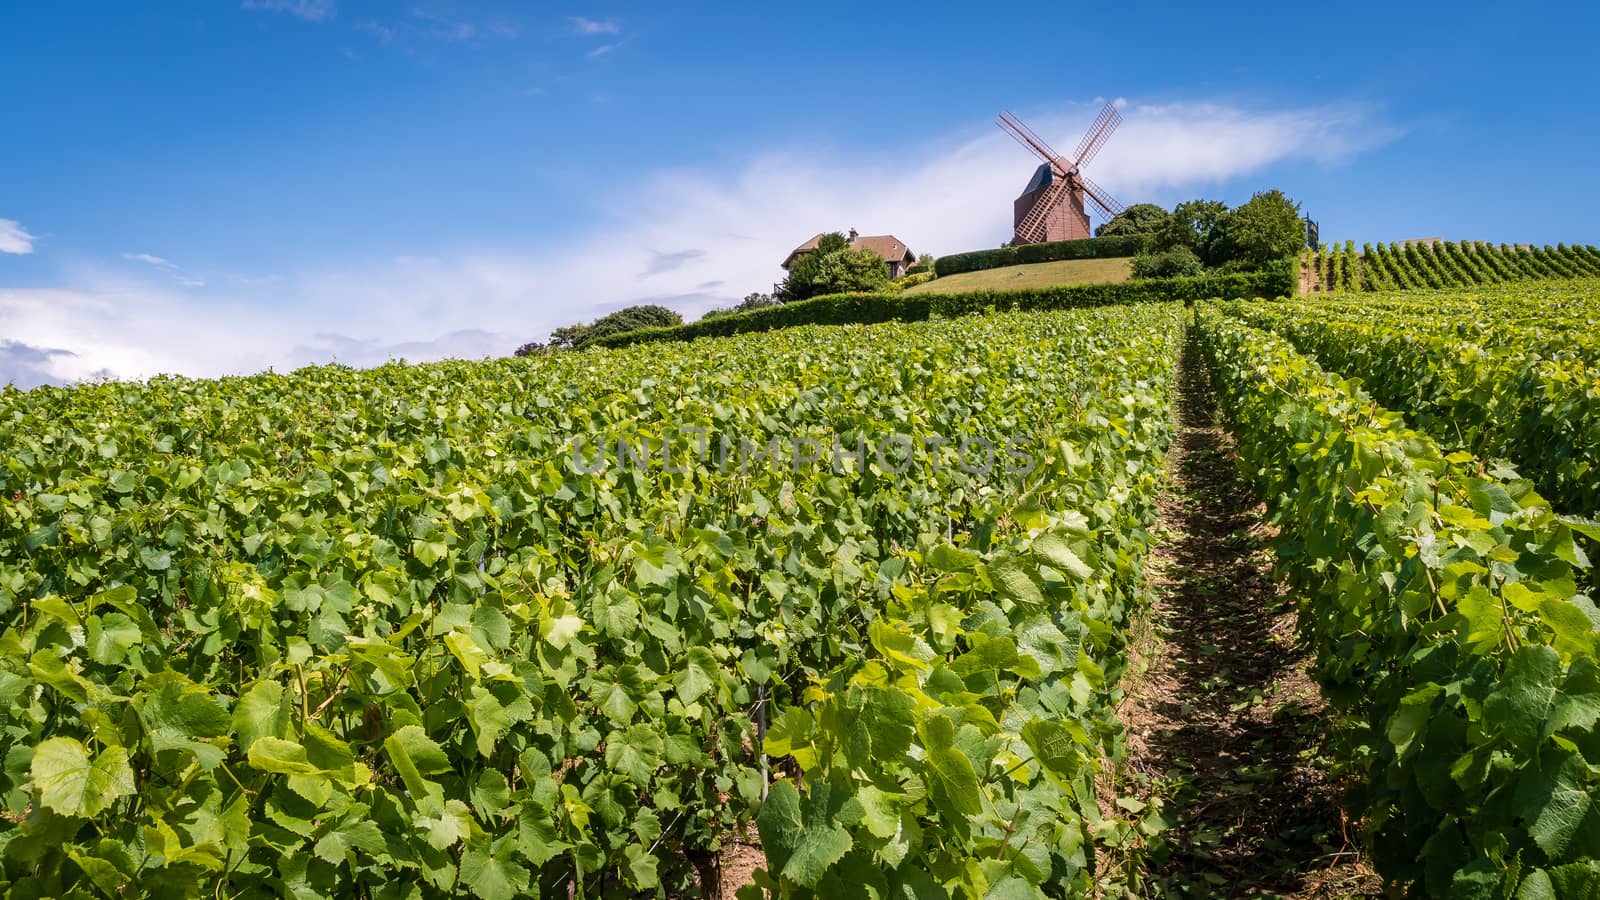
(1051, 206)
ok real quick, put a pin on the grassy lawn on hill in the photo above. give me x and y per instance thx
(1032, 275)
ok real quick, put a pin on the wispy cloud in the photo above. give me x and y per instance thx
(14, 238)
(150, 259)
(421, 25)
(603, 49)
(580, 25)
(667, 262)
(187, 279)
(309, 10)
(384, 33)
(952, 194)
(28, 367)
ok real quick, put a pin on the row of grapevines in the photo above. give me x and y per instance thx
(1338, 268)
(1449, 632)
(1521, 395)
(1547, 306)
(1445, 264)
(344, 632)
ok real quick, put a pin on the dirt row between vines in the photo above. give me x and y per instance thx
(1223, 718)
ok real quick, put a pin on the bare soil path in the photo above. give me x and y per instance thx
(1223, 717)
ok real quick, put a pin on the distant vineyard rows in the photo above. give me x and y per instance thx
(1443, 264)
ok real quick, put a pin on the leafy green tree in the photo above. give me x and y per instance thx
(832, 242)
(1264, 229)
(630, 318)
(1192, 224)
(1167, 264)
(567, 337)
(833, 272)
(531, 348)
(751, 301)
(1140, 218)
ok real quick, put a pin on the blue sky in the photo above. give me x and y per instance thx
(220, 186)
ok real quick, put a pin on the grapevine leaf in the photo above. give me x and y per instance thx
(950, 558)
(360, 835)
(1012, 580)
(72, 784)
(449, 825)
(952, 782)
(699, 674)
(261, 712)
(283, 757)
(1054, 550)
(491, 872)
(803, 838)
(1526, 696)
(109, 638)
(1556, 802)
(635, 753)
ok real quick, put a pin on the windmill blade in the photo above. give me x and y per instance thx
(1098, 194)
(1025, 136)
(1099, 132)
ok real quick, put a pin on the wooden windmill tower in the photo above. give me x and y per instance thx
(1051, 206)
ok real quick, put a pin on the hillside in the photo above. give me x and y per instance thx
(696, 604)
(1034, 275)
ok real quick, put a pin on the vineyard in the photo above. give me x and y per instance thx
(564, 626)
(1442, 264)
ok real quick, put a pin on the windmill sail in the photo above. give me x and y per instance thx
(1051, 207)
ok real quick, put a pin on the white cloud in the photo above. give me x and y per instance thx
(602, 50)
(420, 26)
(384, 33)
(581, 25)
(703, 237)
(310, 10)
(156, 261)
(14, 239)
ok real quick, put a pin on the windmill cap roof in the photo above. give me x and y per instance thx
(1041, 177)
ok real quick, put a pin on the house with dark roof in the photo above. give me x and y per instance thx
(892, 249)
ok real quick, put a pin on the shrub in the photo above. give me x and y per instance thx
(1048, 251)
(1178, 261)
(834, 271)
(866, 309)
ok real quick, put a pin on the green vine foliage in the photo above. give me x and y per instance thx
(381, 633)
(1450, 633)
(1510, 373)
(1447, 264)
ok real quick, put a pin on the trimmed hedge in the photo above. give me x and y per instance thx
(867, 309)
(1049, 251)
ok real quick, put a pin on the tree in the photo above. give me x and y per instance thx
(750, 302)
(1167, 264)
(1140, 218)
(834, 272)
(755, 300)
(649, 315)
(1193, 224)
(568, 337)
(1264, 229)
(531, 348)
(832, 242)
